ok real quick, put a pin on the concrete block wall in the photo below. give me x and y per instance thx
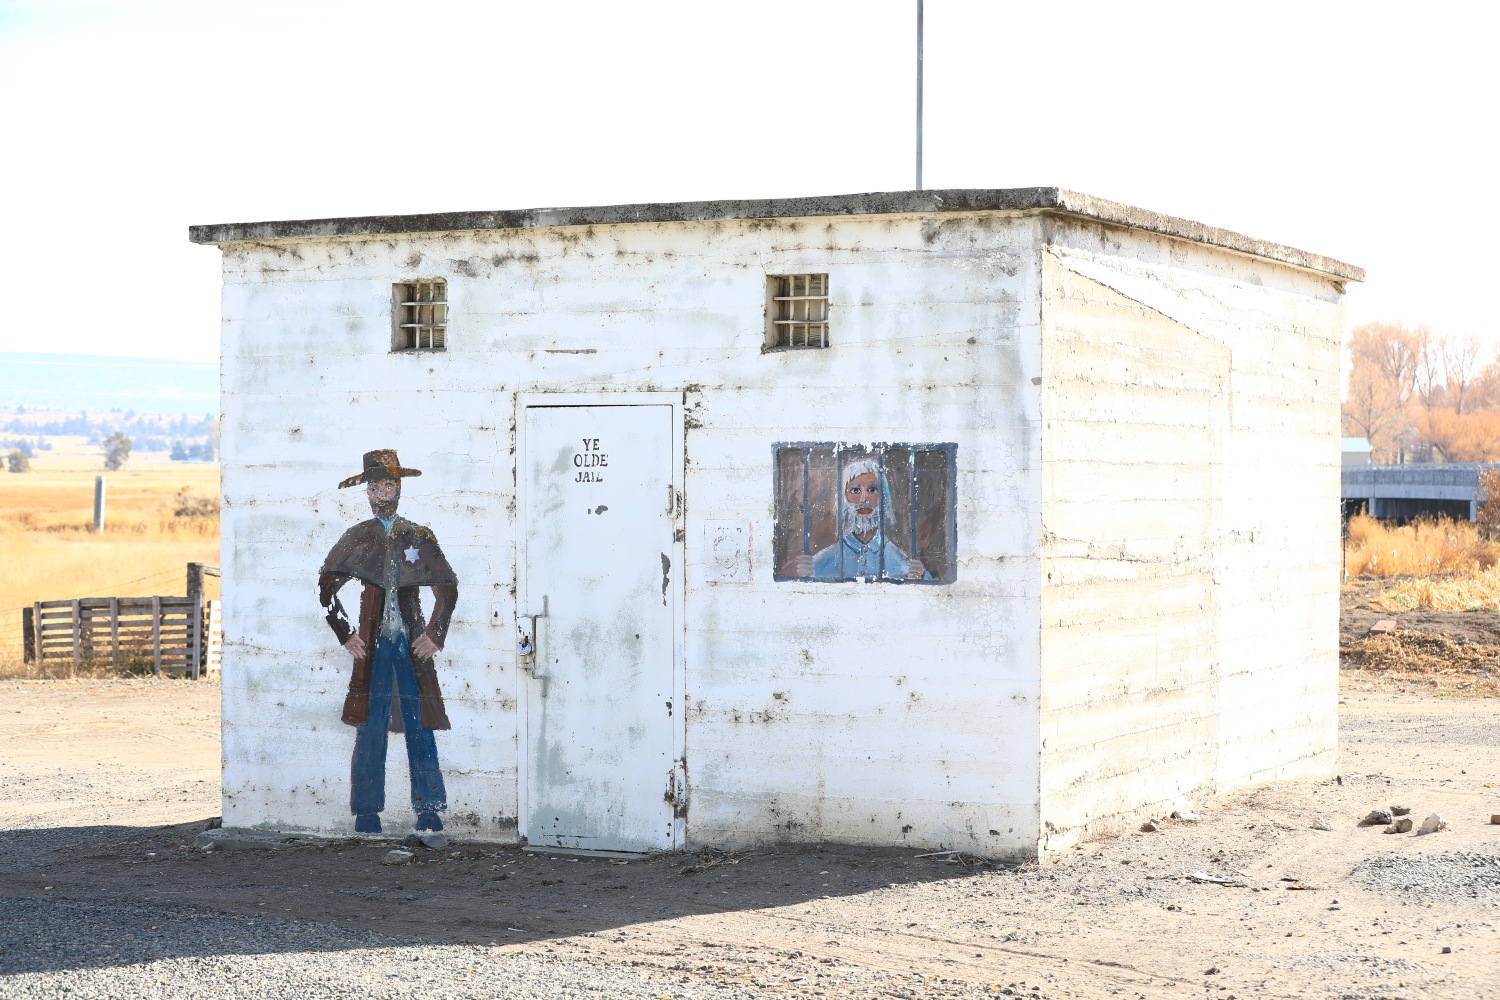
(850, 712)
(1259, 701)
(1132, 438)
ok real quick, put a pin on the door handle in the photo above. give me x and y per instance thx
(530, 648)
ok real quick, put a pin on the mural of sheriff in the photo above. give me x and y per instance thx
(394, 685)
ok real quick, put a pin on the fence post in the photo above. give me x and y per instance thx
(114, 632)
(28, 635)
(195, 594)
(98, 505)
(41, 645)
(77, 634)
(156, 634)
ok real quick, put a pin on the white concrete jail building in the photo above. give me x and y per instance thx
(985, 520)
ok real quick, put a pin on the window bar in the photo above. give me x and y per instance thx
(416, 316)
(806, 502)
(792, 310)
(880, 489)
(416, 329)
(823, 313)
(424, 298)
(431, 316)
(784, 308)
(807, 310)
(406, 295)
(799, 308)
(838, 507)
(912, 500)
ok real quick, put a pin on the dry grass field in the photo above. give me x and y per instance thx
(48, 550)
(1420, 548)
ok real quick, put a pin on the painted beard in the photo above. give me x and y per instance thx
(386, 510)
(859, 524)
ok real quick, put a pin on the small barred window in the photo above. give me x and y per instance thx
(420, 311)
(797, 310)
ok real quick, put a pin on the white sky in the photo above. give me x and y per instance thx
(1355, 130)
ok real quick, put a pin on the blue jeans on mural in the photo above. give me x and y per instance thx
(392, 675)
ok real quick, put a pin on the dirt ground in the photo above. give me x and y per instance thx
(1356, 617)
(104, 784)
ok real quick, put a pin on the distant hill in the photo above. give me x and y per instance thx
(101, 384)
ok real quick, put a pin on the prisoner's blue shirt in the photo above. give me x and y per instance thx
(862, 559)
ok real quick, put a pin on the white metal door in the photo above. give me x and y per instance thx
(599, 565)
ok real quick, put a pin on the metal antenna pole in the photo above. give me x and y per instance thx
(919, 95)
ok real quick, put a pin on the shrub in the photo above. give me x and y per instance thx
(1425, 546)
(184, 504)
(1489, 506)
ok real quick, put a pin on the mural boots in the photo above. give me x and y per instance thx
(428, 820)
(367, 823)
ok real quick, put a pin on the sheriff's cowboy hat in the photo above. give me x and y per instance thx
(380, 464)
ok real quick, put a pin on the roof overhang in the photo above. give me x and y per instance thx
(1040, 199)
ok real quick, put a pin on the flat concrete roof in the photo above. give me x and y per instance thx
(1041, 199)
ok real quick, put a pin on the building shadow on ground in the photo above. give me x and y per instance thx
(117, 886)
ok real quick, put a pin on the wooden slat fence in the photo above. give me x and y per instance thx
(167, 632)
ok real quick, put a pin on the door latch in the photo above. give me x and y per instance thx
(676, 793)
(526, 648)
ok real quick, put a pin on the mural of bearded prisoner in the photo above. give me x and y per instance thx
(862, 550)
(394, 686)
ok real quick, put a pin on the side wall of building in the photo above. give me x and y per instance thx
(1190, 533)
(856, 712)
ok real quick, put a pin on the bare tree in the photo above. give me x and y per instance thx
(1373, 411)
(1387, 362)
(1460, 366)
(1430, 387)
(1396, 351)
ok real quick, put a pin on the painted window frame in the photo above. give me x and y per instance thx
(877, 449)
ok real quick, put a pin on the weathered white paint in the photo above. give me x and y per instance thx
(599, 504)
(1184, 641)
(1190, 489)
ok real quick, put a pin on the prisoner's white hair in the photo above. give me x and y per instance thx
(849, 519)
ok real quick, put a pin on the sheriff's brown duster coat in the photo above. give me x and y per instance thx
(361, 554)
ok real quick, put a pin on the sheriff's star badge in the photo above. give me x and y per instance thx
(411, 554)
